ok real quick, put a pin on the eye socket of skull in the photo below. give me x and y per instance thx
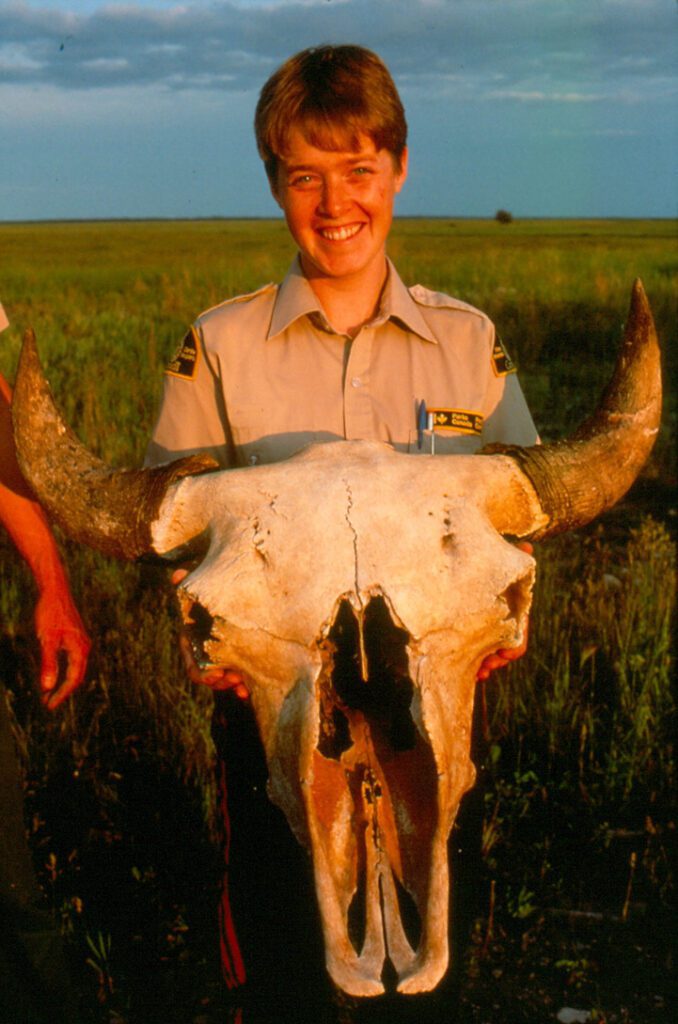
(198, 623)
(517, 598)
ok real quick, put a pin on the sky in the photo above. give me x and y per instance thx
(546, 108)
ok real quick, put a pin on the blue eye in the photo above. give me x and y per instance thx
(302, 179)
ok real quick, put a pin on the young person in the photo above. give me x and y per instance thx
(34, 984)
(342, 348)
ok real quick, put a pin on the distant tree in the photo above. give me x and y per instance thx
(503, 216)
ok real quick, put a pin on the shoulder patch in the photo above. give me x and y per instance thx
(502, 364)
(461, 421)
(184, 362)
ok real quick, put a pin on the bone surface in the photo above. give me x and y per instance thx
(360, 633)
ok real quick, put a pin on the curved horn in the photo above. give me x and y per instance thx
(578, 478)
(111, 510)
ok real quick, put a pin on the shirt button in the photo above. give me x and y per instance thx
(356, 382)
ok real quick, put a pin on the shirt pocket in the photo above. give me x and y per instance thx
(247, 422)
(259, 438)
(447, 443)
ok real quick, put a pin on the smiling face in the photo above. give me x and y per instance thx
(338, 204)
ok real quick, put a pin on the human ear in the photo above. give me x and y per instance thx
(401, 173)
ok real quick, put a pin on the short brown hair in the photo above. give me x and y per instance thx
(332, 94)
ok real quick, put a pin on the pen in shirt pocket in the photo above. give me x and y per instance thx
(422, 421)
(425, 424)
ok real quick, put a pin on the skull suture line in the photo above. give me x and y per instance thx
(359, 589)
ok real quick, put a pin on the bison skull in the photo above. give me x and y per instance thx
(360, 629)
(358, 589)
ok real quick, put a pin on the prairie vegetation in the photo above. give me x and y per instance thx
(570, 902)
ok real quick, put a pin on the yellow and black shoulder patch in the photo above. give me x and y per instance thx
(502, 364)
(461, 421)
(184, 362)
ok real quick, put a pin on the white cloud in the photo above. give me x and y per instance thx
(537, 96)
(107, 92)
(14, 58)
(82, 45)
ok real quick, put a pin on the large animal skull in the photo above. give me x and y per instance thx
(358, 589)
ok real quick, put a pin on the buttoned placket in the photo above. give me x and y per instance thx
(358, 405)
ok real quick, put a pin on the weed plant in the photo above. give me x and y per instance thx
(576, 798)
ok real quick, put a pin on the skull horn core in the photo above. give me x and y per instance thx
(111, 510)
(578, 478)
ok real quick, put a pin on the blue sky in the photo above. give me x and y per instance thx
(557, 108)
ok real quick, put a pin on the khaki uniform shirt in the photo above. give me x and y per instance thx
(261, 376)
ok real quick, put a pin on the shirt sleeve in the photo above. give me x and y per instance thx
(192, 417)
(507, 417)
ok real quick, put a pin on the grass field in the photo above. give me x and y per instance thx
(575, 807)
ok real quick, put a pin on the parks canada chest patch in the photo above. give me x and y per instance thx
(501, 360)
(184, 362)
(460, 420)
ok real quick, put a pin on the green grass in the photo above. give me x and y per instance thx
(576, 742)
(107, 297)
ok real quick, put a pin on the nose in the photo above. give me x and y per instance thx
(333, 198)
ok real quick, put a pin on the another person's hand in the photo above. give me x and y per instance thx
(502, 657)
(60, 630)
(217, 677)
(64, 644)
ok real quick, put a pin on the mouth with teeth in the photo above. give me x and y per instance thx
(340, 234)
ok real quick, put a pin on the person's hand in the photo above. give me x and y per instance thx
(217, 677)
(502, 657)
(60, 630)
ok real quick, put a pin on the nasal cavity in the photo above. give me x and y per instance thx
(369, 673)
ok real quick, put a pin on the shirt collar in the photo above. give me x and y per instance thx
(296, 298)
(397, 304)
